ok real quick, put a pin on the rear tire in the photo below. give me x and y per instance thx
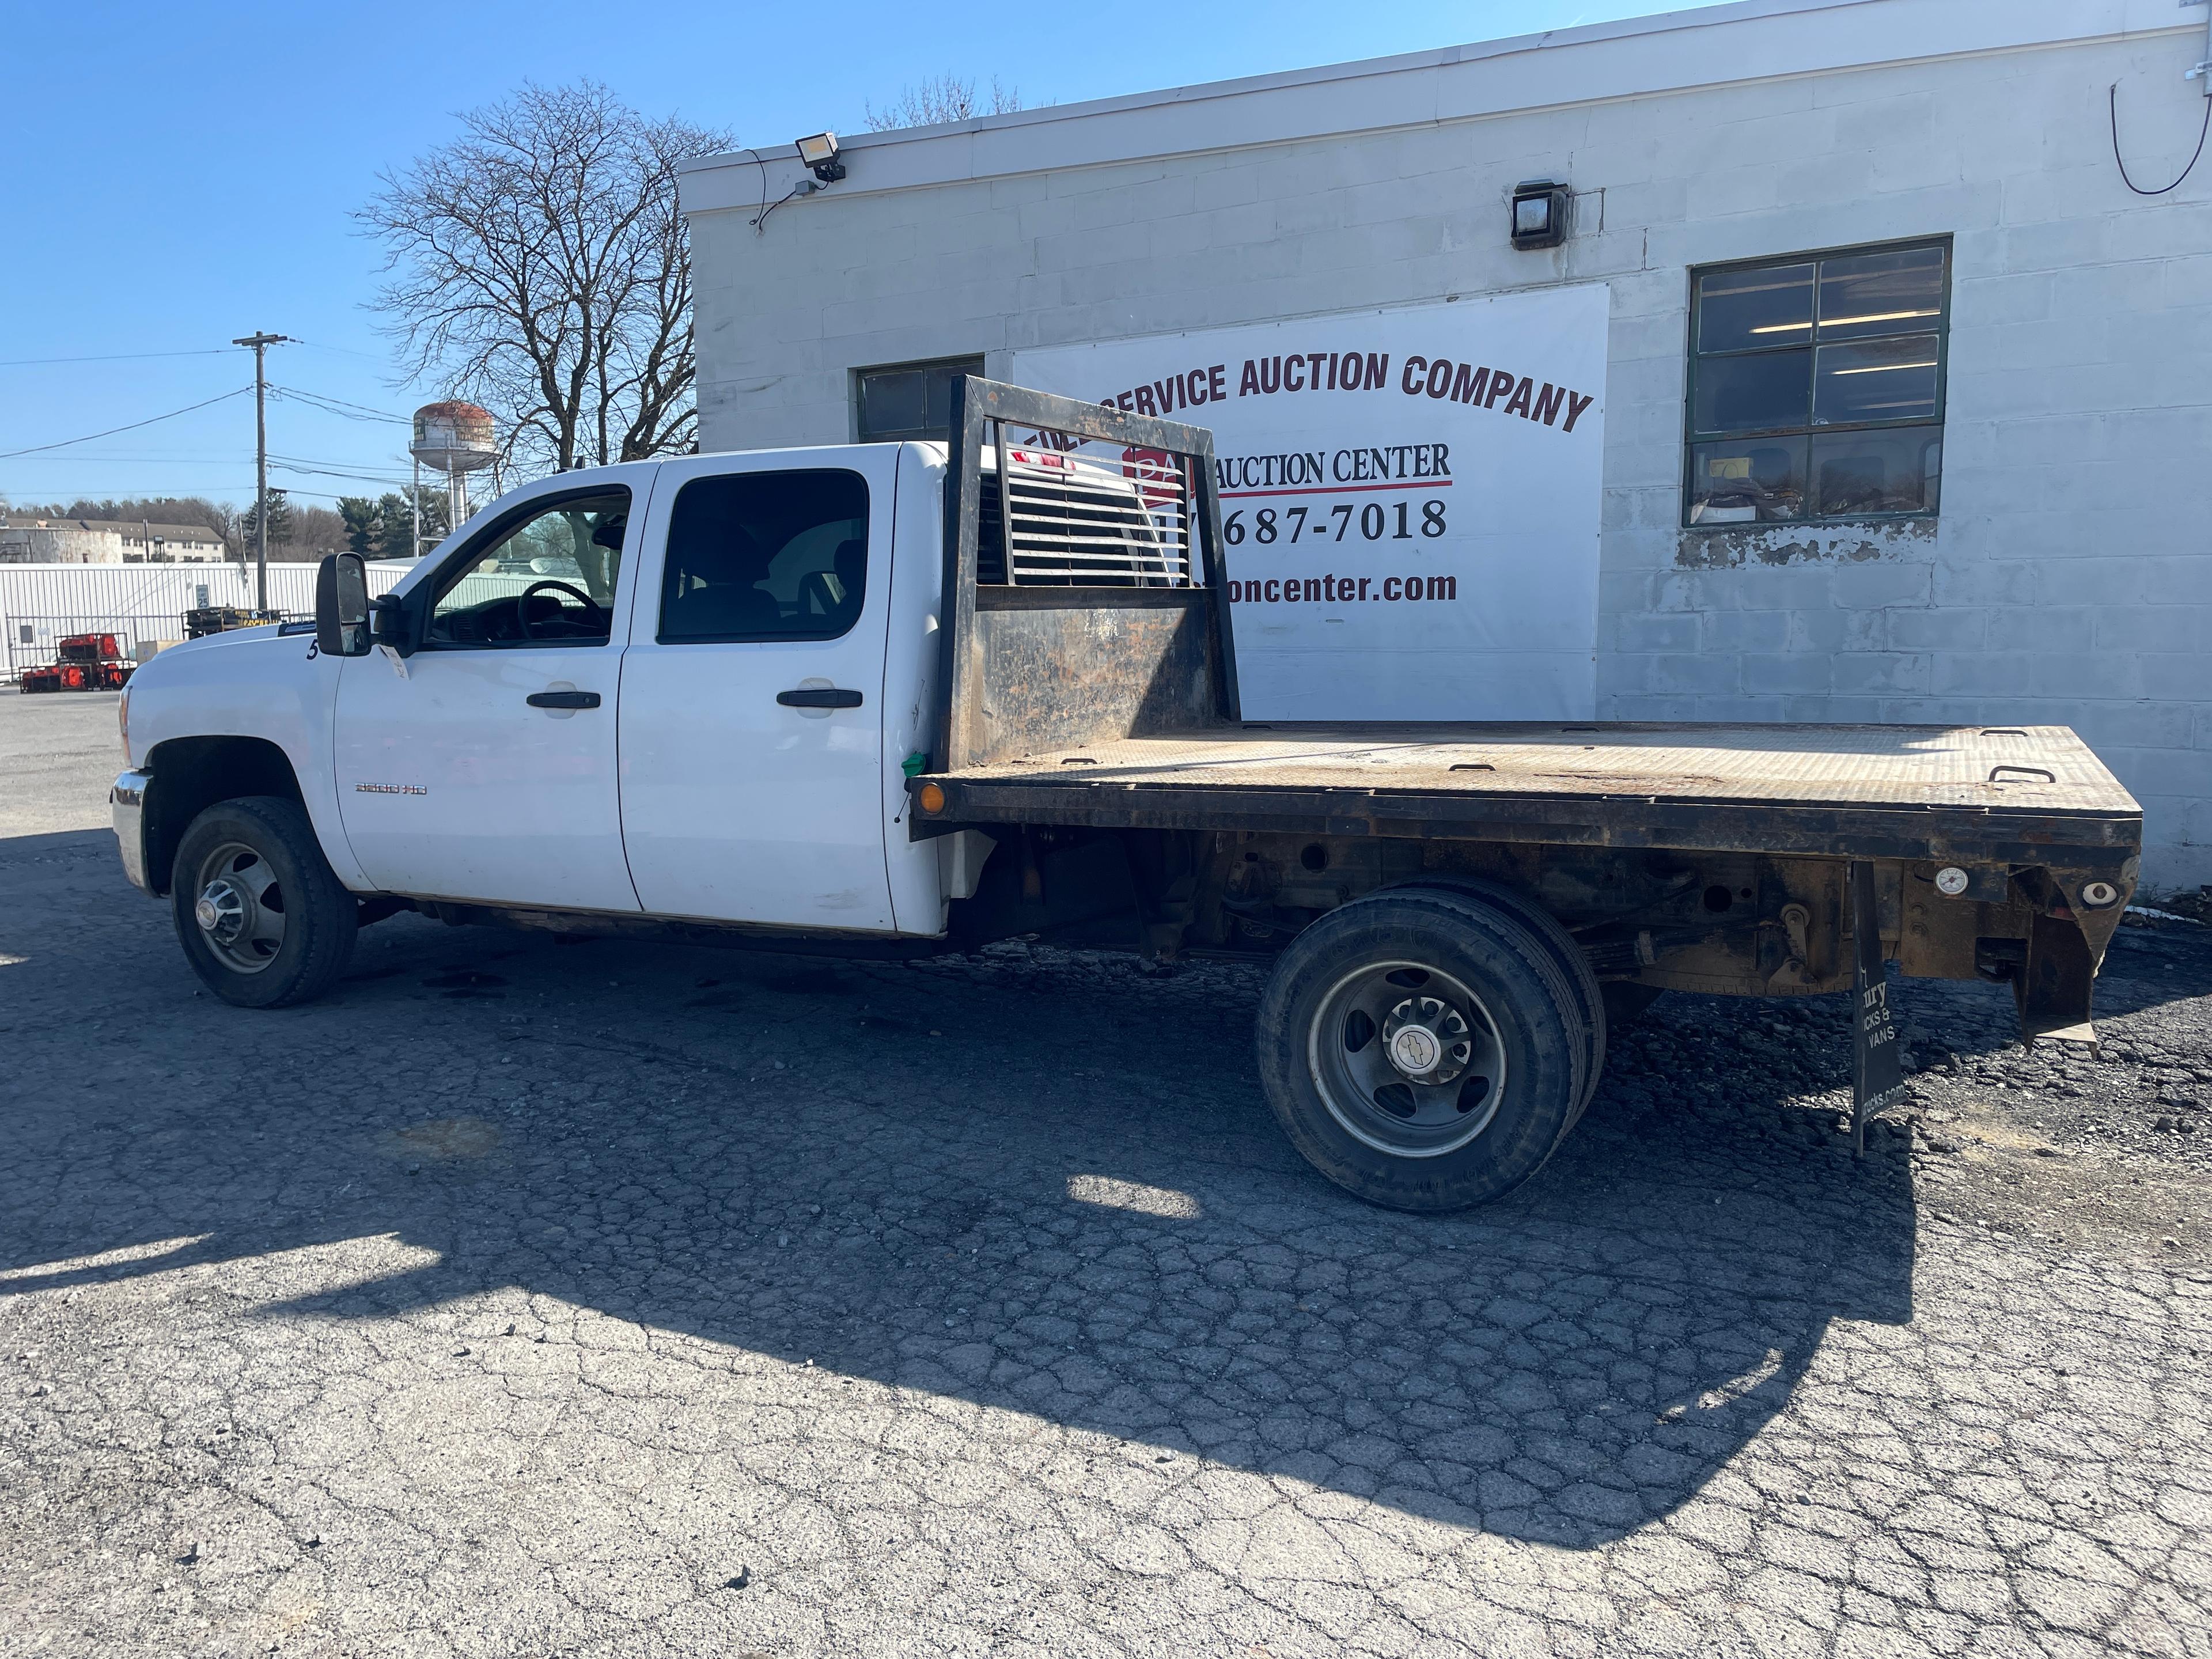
(1423, 1049)
(1590, 1000)
(263, 919)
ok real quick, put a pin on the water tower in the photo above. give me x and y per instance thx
(455, 439)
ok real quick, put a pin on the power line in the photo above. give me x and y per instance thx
(391, 481)
(345, 351)
(40, 449)
(110, 358)
(351, 469)
(338, 469)
(197, 458)
(192, 458)
(215, 489)
(326, 397)
(340, 406)
(331, 460)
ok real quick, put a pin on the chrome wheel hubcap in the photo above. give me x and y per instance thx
(221, 911)
(240, 909)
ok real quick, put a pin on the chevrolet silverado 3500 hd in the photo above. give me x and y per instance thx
(899, 698)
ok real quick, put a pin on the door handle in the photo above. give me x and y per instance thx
(563, 700)
(819, 697)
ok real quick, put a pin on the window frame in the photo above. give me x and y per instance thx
(963, 359)
(660, 636)
(1692, 440)
(499, 530)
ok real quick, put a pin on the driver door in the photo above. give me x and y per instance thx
(483, 767)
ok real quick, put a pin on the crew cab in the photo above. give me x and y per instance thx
(903, 698)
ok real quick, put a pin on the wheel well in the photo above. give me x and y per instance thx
(192, 775)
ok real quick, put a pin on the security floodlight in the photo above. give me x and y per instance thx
(1539, 214)
(820, 154)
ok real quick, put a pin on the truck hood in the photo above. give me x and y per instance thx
(181, 657)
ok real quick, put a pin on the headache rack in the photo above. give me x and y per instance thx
(1083, 521)
(1084, 596)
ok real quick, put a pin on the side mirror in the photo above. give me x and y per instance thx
(342, 606)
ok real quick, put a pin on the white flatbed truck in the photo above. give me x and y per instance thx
(905, 698)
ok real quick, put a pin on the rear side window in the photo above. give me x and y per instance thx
(765, 556)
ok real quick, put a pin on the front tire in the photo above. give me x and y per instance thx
(1423, 1049)
(263, 919)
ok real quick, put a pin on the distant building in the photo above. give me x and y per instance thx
(106, 541)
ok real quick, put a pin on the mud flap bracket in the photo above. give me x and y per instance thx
(2053, 992)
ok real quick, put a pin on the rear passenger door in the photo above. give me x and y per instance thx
(752, 707)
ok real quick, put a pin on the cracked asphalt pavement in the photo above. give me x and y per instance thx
(529, 1299)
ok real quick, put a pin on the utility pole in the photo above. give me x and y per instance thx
(261, 343)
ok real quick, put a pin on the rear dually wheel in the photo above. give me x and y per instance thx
(1424, 1049)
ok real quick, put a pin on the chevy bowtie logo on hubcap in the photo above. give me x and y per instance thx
(1428, 1039)
(1414, 1050)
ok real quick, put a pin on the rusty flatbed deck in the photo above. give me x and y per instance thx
(2011, 794)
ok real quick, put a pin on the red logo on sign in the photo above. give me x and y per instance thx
(1156, 475)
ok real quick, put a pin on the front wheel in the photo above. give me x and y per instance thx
(263, 920)
(1423, 1049)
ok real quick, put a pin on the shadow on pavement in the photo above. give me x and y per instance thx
(1072, 1204)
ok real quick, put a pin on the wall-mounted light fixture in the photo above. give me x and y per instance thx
(820, 154)
(1539, 214)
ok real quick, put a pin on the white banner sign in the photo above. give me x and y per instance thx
(1409, 498)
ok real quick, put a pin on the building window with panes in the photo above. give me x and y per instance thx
(1816, 387)
(908, 401)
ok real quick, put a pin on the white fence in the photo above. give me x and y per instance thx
(140, 603)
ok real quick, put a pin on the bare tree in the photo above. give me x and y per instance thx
(943, 98)
(539, 266)
(315, 531)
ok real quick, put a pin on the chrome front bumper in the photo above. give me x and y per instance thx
(127, 802)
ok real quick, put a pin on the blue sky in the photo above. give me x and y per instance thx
(178, 175)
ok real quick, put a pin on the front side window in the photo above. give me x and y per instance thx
(544, 577)
(765, 556)
(1816, 387)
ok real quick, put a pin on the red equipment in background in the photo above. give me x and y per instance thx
(88, 662)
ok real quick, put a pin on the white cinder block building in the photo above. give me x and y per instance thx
(1907, 406)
